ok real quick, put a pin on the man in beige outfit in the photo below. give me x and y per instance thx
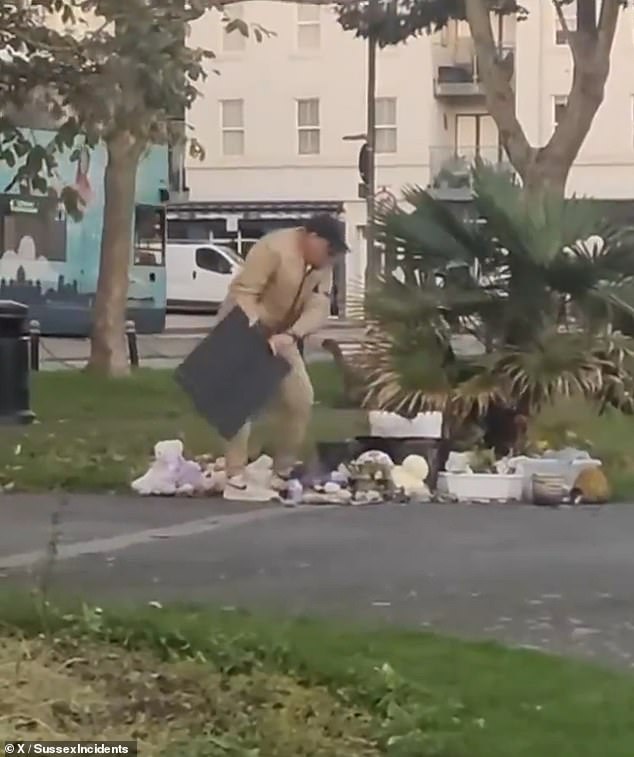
(284, 288)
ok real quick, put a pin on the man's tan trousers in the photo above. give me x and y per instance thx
(291, 415)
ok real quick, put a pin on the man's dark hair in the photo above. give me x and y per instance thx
(329, 228)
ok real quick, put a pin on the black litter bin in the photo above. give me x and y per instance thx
(14, 363)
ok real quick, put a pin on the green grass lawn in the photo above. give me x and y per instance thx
(229, 684)
(97, 435)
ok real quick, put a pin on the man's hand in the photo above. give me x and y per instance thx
(280, 343)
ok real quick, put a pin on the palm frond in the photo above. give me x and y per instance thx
(478, 392)
(598, 262)
(395, 301)
(533, 227)
(539, 281)
(426, 205)
(611, 251)
(560, 365)
(430, 233)
(616, 353)
(430, 377)
(618, 297)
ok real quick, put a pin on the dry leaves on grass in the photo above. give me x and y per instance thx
(81, 690)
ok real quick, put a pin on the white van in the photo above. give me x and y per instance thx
(199, 274)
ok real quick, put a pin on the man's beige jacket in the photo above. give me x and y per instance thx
(276, 288)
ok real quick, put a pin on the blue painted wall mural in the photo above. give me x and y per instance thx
(50, 262)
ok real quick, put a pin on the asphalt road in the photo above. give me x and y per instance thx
(558, 580)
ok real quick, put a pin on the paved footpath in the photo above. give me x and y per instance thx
(560, 580)
(167, 350)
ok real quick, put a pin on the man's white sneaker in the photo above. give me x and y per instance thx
(235, 488)
(239, 489)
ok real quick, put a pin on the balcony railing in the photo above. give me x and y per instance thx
(451, 169)
(456, 71)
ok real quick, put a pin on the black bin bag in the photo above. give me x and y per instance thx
(232, 374)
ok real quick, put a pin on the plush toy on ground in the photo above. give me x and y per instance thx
(591, 487)
(171, 473)
(410, 478)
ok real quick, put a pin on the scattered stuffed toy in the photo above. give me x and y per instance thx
(591, 487)
(410, 478)
(171, 473)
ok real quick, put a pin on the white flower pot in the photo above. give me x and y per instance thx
(481, 487)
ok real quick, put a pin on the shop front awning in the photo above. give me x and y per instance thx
(251, 210)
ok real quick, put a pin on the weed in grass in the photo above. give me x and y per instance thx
(231, 697)
(78, 689)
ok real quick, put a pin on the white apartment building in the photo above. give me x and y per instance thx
(274, 119)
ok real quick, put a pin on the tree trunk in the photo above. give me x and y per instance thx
(543, 175)
(498, 87)
(591, 47)
(108, 353)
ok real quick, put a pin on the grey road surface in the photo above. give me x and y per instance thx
(558, 580)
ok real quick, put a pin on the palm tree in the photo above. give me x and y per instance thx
(501, 313)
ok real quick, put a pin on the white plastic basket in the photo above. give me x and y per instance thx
(481, 487)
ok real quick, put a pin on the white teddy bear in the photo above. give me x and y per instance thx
(170, 473)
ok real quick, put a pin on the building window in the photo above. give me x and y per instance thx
(234, 41)
(308, 141)
(559, 108)
(232, 122)
(308, 27)
(570, 14)
(386, 124)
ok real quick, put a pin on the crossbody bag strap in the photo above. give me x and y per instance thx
(289, 318)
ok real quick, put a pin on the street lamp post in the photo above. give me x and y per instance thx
(373, 267)
(374, 26)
